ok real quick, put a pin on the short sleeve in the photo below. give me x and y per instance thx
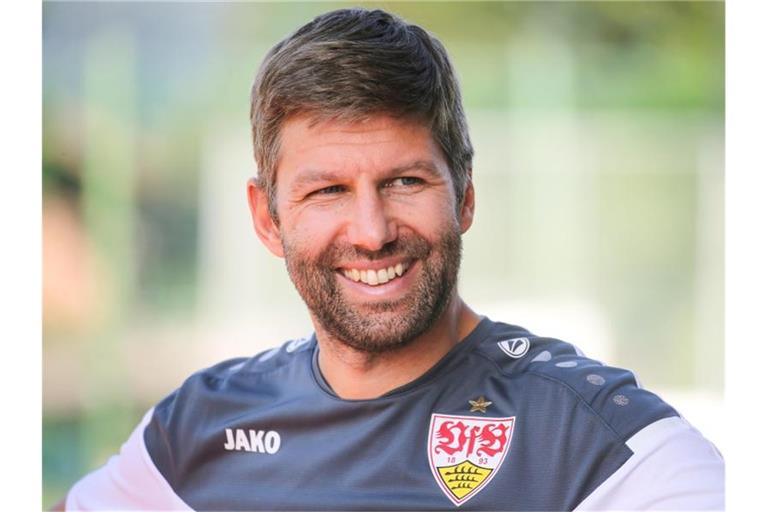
(673, 467)
(128, 481)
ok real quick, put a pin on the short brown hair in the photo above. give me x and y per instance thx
(351, 64)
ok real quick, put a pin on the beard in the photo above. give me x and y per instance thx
(380, 325)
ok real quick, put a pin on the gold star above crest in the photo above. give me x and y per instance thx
(479, 405)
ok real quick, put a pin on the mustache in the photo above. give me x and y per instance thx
(407, 246)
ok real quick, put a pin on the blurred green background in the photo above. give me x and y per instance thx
(598, 129)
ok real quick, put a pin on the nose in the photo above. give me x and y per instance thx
(370, 226)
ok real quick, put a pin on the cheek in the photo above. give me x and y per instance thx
(308, 234)
(428, 217)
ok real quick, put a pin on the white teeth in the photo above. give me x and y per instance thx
(375, 277)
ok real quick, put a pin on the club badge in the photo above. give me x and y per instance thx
(466, 452)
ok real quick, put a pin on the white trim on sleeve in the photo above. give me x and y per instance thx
(128, 481)
(673, 467)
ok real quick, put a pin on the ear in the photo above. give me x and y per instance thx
(467, 212)
(263, 222)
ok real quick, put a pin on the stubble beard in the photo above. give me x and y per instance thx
(378, 326)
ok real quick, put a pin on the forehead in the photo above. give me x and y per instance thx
(377, 144)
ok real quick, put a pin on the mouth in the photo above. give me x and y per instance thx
(376, 275)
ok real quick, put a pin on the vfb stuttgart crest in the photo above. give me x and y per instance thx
(465, 452)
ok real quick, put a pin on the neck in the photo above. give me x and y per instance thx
(353, 374)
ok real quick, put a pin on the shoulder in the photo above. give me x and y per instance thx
(612, 394)
(166, 445)
(237, 374)
(262, 372)
(192, 417)
(668, 464)
(290, 353)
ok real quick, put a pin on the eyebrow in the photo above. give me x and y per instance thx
(313, 176)
(424, 165)
(320, 176)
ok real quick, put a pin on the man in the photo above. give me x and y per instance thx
(404, 398)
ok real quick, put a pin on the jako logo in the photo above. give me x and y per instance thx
(257, 441)
(516, 347)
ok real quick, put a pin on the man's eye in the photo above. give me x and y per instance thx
(333, 189)
(406, 181)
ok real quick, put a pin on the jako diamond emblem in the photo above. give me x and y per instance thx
(516, 347)
(465, 452)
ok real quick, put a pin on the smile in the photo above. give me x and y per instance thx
(374, 277)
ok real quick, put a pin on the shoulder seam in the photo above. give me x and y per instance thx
(250, 371)
(163, 435)
(562, 384)
(147, 457)
(581, 399)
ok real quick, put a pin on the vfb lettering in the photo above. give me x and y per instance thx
(467, 440)
(257, 441)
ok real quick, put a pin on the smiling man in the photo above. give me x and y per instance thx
(367, 217)
(404, 398)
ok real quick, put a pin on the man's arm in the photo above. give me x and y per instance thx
(673, 468)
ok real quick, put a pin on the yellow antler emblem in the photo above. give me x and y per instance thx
(463, 478)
